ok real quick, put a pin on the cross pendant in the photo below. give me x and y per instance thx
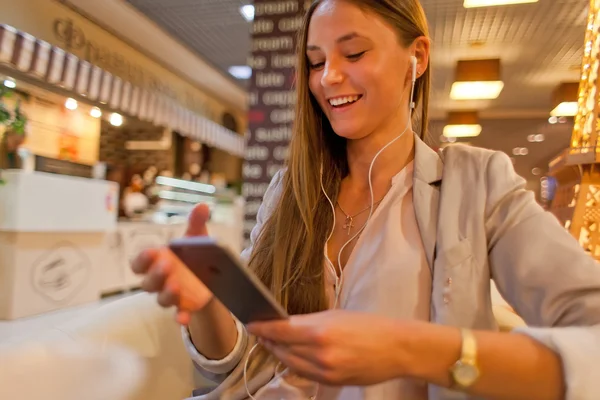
(348, 224)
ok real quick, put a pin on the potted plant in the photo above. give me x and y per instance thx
(12, 131)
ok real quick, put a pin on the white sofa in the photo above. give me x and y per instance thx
(139, 324)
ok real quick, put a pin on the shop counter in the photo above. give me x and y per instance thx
(61, 244)
(52, 240)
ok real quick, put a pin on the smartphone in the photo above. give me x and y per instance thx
(228, 279)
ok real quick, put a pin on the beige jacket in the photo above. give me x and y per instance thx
(477, 221)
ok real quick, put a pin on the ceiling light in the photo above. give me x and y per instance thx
(96, 112)
(553, 120)
(489, 3)
(531, 138)
(476, 90)
(116, 119)
(539, 138)
(536, 171)
(10, 83)
(565, 109)
(462, 130)
(247, 12)
(564, 100)
(520, 151)
(477, 80)
(71, 104)
(240, 71)
(462, 124)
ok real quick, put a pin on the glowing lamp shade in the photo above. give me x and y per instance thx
(564, 100)
(477, 80)
(462, 124)
(478, 90)
(489, 3)
(465, 130)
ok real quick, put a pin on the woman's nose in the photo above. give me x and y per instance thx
(332, 75)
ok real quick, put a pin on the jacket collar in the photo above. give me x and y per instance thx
(429, 165)
(427, 174)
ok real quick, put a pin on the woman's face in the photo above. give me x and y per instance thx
(359, 72)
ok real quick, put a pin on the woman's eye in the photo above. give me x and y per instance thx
(357, 56)
(318, 65)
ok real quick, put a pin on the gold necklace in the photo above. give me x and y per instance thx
(349, 221)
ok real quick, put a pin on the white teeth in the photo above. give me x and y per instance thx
(343, 100)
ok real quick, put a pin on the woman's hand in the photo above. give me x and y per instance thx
(337, 347)
(166, 275)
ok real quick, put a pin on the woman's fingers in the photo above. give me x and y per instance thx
(169, 296)
(197, 221)
(183, 317)
(155, 279)
(142, 263)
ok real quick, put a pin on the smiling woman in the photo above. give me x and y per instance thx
(382, 250)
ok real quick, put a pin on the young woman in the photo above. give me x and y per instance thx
(383, 250)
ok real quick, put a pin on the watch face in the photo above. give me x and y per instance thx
(465, 374)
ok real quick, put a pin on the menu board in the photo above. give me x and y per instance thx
(272, 97)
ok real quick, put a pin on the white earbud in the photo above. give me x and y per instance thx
(413, 62)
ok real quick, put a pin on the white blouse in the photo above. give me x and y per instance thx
(387, 274)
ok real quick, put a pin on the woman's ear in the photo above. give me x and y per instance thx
(420, 49)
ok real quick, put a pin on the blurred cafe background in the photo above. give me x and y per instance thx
(118, 116)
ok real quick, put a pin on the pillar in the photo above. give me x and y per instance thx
(271, 97)
(576, 201)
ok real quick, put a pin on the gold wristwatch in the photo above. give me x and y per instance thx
(465, 372)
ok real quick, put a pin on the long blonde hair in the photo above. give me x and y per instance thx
(288, 256)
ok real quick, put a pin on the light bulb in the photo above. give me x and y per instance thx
(116, 119)
(96, 112)
(71, 104)
(10, 83)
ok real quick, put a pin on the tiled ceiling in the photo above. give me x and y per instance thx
(540, 45)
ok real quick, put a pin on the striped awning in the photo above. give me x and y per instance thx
(55, 66)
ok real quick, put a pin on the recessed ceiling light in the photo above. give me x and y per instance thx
(240, 71)
(96, 112)
(116, 119)
(539, 137)
(520, 151)
(247, 12)
(10, 83)
(531, 138)
(71, 104)
(490, 3)
(536, 171)
(553, 120)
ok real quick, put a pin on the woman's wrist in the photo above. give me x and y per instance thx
(426, 351)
